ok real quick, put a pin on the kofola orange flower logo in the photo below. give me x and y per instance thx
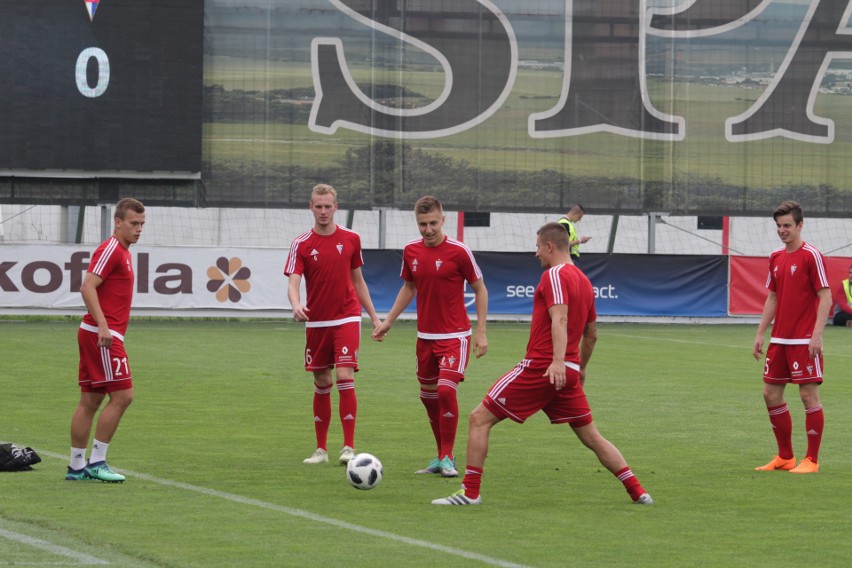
(229, 279)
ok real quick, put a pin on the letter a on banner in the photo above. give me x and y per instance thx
(786, 108)
(474, 44)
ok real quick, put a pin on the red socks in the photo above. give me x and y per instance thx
(471, 482)
(322, 414)
(814, 424)
(449, 416)
(348, 410)
(631, 484)
(433, 410)
(782, 426)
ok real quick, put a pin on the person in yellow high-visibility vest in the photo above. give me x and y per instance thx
(843, 301)
(568, 222)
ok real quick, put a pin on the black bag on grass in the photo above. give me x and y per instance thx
(13, 458)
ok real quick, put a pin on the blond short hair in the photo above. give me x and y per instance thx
(323, 189)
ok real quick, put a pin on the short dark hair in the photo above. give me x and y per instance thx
(426, 204)
(580, 207)
(128, 204)
(556, 234)
(790, 207)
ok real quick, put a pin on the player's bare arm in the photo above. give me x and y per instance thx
(559, 337)
(823, 309)
(765, 319)
(480, 300)
(363, 294)
(300, 313)
(89, 291)
(403, 298)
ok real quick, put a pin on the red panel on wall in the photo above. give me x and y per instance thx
(748, 281)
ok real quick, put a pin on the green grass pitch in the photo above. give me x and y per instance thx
(214, 442)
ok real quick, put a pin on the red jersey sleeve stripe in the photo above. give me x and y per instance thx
(556, 284)
(100, 266)
(820, 265)
(467, 250)
(294, 248)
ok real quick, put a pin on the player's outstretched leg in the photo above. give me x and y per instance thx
(611, 458)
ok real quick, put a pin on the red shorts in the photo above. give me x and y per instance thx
(332, 346)
(791, 364)
(102, 369)
(444, 358)
(526, 389)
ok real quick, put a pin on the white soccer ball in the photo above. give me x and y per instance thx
(364, 471)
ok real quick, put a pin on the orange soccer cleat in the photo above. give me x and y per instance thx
(778, 463)
(807, 466)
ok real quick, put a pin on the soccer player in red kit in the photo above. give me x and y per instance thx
(799, 301)
(435, 269)
(329, 257)
(107, 291)
(563, 333)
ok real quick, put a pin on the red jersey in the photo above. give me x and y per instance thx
(562, 284)
(439, 275)
(796, 277)
(113, 263)
(327, 262)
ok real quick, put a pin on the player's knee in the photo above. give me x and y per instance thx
(121, 399)
(481, 417)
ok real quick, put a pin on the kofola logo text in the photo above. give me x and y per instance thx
(45, 277)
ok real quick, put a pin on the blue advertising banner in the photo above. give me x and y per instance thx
(627, 285)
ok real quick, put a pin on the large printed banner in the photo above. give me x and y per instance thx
(658, 285)
(187, 278)
(35, 276)
(510, 105)
(629, 285)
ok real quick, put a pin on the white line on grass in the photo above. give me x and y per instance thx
(80, 557)
(312, 517)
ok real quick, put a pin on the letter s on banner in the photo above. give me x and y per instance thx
(479, 62)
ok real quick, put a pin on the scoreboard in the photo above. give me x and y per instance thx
(101, 88)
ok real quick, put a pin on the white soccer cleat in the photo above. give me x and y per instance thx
(346, 454)
(319, 456)
(644, 499)
(458, 498)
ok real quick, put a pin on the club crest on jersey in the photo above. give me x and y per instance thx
(810, 369)
(315, 254)
(438, 264)
(339, 248)
(793, 270)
